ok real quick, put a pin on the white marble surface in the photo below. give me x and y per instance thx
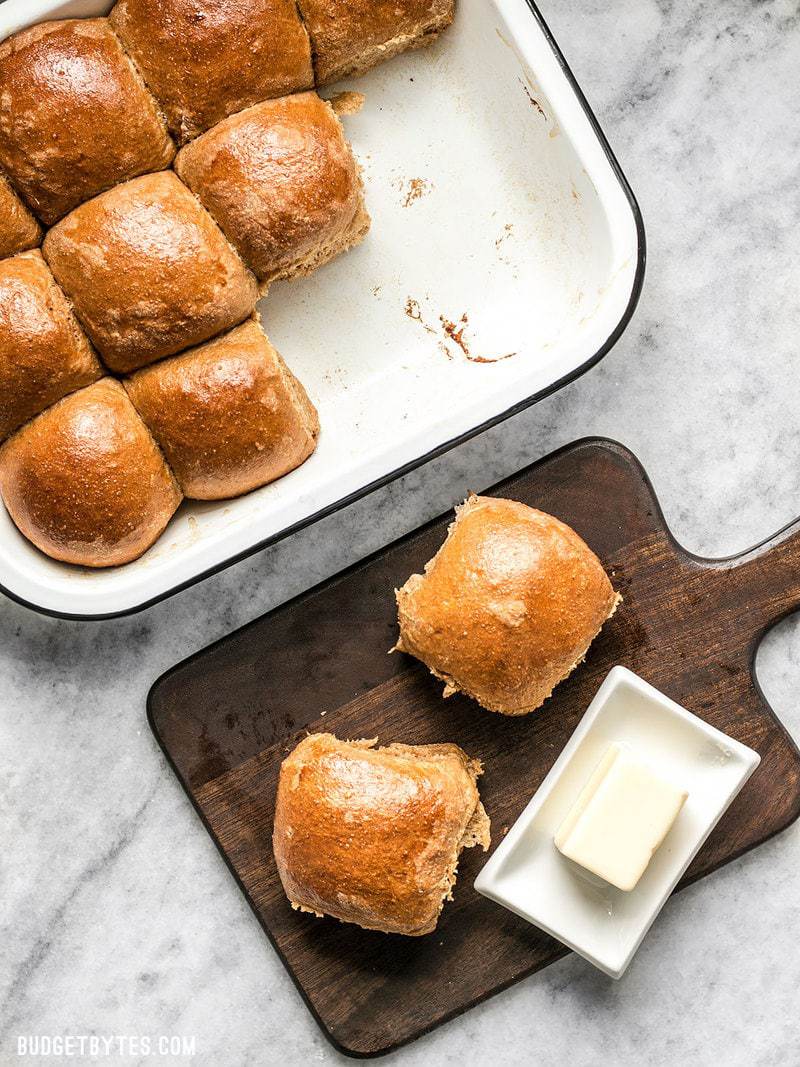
(116, 914)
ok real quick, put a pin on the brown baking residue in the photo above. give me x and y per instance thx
(532, 99)
(490, 359)
(414, 311)
(455, 331)
(415, 189)
(508, 229)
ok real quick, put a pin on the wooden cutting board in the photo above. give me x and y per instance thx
(226, 717)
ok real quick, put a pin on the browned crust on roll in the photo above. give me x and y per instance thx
(85, 481)
(75, 118)
(281, 181)
(148, 271)
(44, 354)
(350, 37)
(229, 416)
(508, 606)
(335, 244)
(207, 59)
(372, 835)
(19, 230)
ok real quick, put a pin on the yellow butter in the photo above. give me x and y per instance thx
(620, 818)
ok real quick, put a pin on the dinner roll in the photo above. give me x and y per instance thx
(281, 181)
(75, 118)
(206, 59)
(373, 835)
(229, 416)
(19, 230)
(350, 36)
(85, 482)
(149, 272)
(43, 352)
(507, 607)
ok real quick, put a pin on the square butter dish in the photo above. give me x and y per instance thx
(530, 877)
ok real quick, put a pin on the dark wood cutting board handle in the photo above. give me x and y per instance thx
(763, 583)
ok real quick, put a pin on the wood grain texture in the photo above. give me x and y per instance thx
(226, 717)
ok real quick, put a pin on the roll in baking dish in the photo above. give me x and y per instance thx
(138, 268)
(19, 230)
(229, 416)
(75, 118)
(351, 36)
(44, 354)
(281, 181)
(372, 836)
(206, 59)
(148, 271)
(507, 607)
(85, 481)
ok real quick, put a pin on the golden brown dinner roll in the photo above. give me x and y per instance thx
(350, 36)
(281, 181)
(229, 416)
(43, 352)
(85, 482)
(149, 272)
(75, 118)
(19, 230)
(206, 59)
(373, 835)
(507, 607)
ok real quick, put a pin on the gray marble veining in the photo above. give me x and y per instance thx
(116, 914)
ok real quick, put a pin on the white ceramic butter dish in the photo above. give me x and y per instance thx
(529, 876)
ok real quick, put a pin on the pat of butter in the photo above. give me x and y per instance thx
(622, 815)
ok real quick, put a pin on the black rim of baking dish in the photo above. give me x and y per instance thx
(439, 450)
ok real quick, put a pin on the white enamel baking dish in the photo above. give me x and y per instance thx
(497, 207)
